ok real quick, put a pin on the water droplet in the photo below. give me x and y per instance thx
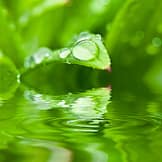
(38, 57)
(98, 36)
(83, 36)
(85, 50)
(65, 53)
(156, 42)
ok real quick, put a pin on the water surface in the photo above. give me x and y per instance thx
(121, 124)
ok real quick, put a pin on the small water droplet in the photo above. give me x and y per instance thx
(98, 36)
(83, 36)
(65, 53)
(85, 50)
(38, 57)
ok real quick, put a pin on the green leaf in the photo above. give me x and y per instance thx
(10, 40)
(41, 31)
(39, 24)
(41, 8)
(8, 77)
(86, 49)
(24, 11)
(35, 22)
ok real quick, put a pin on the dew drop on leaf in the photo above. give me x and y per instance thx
(85, 50)
(38, 57)
(65, 53)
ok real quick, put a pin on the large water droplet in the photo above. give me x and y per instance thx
(85, 50)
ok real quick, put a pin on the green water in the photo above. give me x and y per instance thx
(118, 124)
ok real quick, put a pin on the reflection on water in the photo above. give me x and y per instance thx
(81, 127)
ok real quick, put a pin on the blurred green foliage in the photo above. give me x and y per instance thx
(8, 77)
(135, 42)
(60, 106)
(132, 30)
